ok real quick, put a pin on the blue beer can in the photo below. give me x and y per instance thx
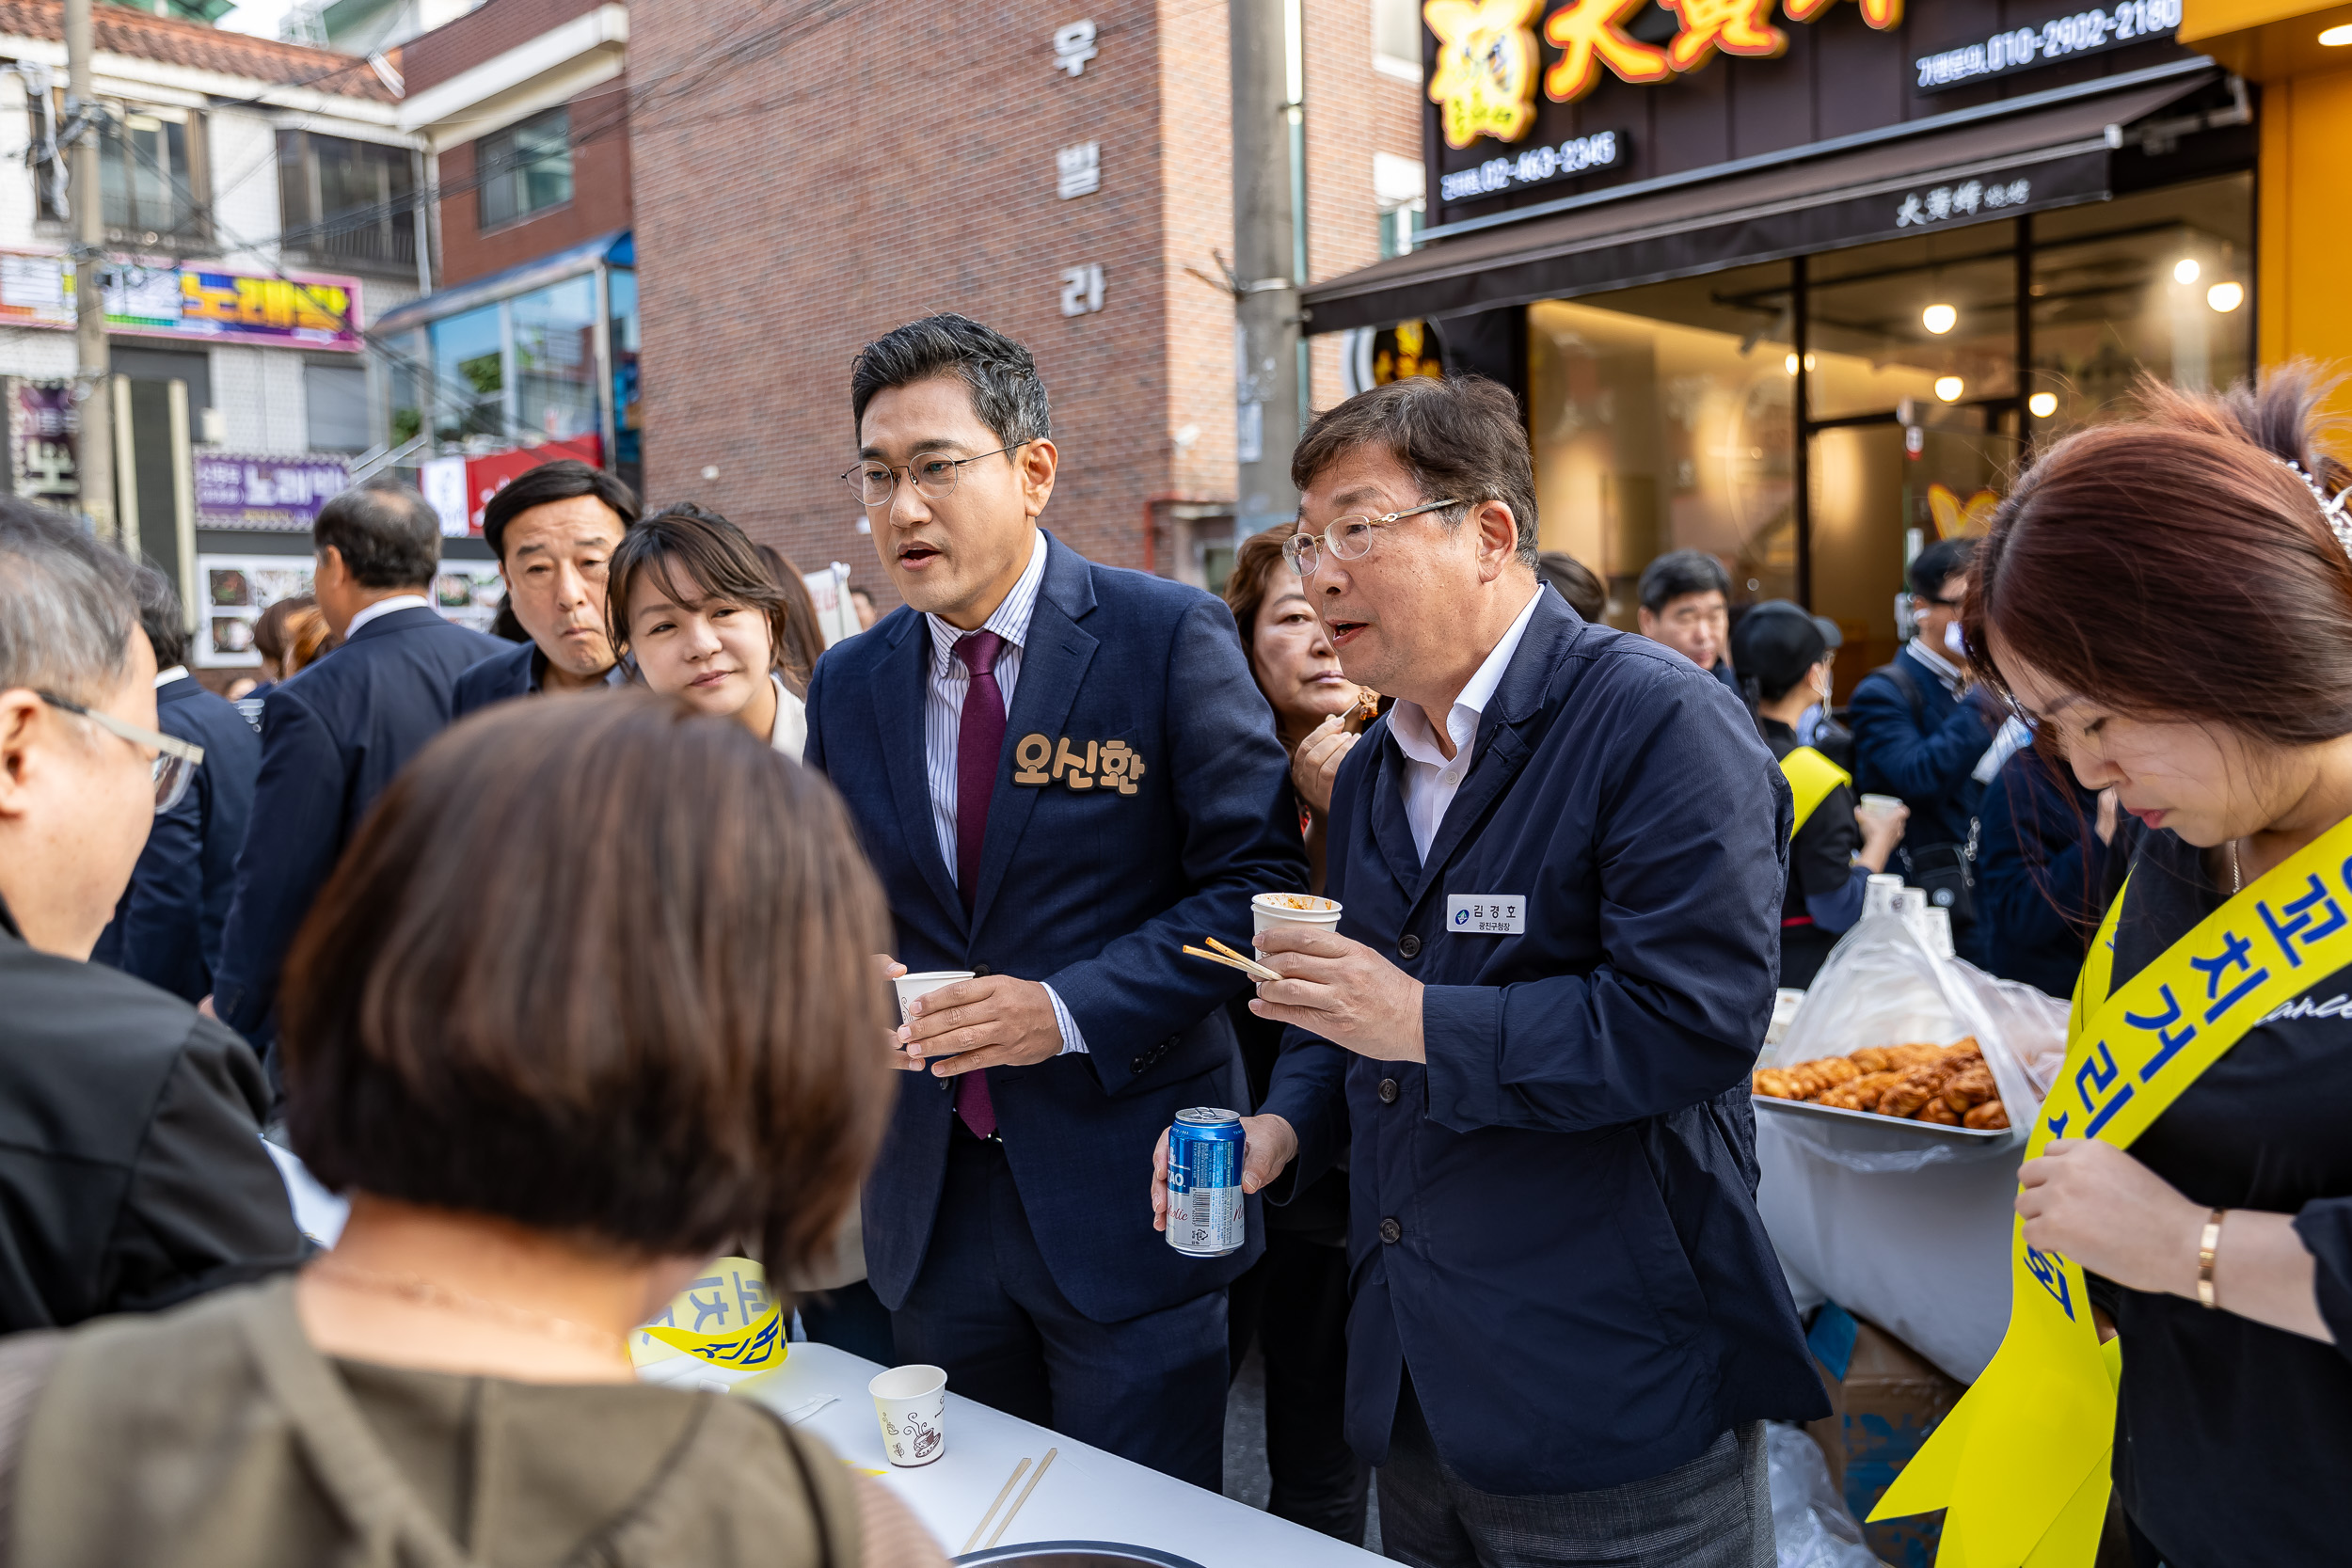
(1204, 1207)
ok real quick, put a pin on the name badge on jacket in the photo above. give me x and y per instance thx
(1486, 914)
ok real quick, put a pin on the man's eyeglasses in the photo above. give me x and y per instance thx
(934, 478)
(176, 760)
(1348, 538)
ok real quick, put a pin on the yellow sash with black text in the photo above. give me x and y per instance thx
(1811, 776)
(2022, 1462)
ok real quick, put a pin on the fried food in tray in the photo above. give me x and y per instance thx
(1945, 1085)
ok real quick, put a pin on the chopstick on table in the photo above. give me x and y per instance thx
(1232, 959)
(1006, 1523)
(973, 1539)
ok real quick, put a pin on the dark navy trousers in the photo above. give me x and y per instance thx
(1151, 1389)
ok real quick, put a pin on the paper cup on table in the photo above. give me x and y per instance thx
(912, 1404)
(1268, 909)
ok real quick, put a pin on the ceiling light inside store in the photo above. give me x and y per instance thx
(1789, 363)
(1939, 319)
(2043, 404)
(1948, 388)
(2186, 270)
(2336, 37)
(2225, 298)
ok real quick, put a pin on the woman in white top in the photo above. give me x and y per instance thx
(706, 622)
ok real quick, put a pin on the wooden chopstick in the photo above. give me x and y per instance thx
(1260, 969)
(1006, 1522)
(1241, 964)
(973, 1539)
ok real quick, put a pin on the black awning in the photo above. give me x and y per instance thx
(1993, 168)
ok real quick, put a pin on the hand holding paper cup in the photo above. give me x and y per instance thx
(912, 1404)
(912, 985)
(1268, 909)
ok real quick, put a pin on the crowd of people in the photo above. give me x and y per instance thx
(532, 948)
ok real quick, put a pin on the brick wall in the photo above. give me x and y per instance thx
(806, 183)
(1353, 111)
(481, 35)
(600, 203)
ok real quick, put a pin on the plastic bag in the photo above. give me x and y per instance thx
(1883, 985)
(1811, 1527)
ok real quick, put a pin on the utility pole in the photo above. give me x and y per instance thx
(1269, 252)
(93, 389)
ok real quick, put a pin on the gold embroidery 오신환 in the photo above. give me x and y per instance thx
(1082, 765)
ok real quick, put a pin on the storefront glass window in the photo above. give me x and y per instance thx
(470, 376)
(405, 382)
(1662, 419)
(628, 414)
(555, 359)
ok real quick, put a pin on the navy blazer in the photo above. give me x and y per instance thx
(1925, 762)
(167, 930)
(331, 740)
(504, 674)
(1553, 1220)
(2041, 873)
(1093, 891)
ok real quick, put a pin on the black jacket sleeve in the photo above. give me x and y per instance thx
(205, 1206)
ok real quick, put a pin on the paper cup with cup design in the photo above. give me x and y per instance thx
(912, 985)
(911, 1402)
(1268, 909)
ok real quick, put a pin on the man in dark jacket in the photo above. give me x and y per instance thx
(554, 529)
(333, 736)
(132, 1170)
(167, 930)
(1921, 734)
(2042, 871)
(1560, 858)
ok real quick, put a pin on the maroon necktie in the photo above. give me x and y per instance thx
(979, 744)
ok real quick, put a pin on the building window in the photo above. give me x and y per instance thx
(555, 359)
(1396, 39)
(346, 201)
(470, 379)
(149, 173)
(336, 397)
(525, 169)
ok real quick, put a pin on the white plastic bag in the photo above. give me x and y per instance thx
(1811, 1527)
(1881, 985)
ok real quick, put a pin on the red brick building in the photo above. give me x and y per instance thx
(804, 181)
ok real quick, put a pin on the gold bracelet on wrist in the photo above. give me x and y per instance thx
(2208, 1244)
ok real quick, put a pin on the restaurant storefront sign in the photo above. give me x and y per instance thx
(201, 304)
(280, 493)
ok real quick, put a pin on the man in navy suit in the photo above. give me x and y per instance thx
(1560, 856)
(1062, 773)
(333, 736)
(167, 930)
(554, 529)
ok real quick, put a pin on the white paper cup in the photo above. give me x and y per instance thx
(912, 985)
(912, 1404)
(1879, 805)
(1268, 909)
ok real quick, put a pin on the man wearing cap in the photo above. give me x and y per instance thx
(1783, 656)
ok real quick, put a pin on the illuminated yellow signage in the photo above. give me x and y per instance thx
(1485, 83)
(1487, 61)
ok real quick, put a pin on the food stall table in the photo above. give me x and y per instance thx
(1087, 1495)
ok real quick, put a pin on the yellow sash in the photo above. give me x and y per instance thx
(1811, 776)
(2022, 1462)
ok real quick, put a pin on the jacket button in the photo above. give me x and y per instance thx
(1387, 1091)
(1136, 1066)
(1408, 945)
(1391, 1231)
(981, 971)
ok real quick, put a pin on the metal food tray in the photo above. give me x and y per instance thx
(1839, 1112)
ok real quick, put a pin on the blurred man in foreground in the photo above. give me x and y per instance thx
(132, 1171)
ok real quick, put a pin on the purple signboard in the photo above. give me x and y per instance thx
(43, 430)
(279, 494)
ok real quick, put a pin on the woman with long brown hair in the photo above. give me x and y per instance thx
(553, 1083)
(2169, 600)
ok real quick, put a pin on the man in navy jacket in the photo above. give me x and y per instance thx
(167, 930)
(1533, 1028)
(333, 736)
(554, 529)
(1062, 774)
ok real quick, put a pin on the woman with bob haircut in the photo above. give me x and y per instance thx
(2169, 601)
(689, 596)
(552, 1085)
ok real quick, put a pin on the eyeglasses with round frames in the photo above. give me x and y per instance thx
(934, 478)
(175, 762)
(1348, 538)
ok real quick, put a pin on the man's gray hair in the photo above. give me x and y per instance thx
(67, 606)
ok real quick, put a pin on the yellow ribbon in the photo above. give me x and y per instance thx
(2022, 1462)
(1811, 776)
(731, 1298)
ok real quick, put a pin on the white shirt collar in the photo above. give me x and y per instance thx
(1010, 619)
(383, 608)
(1941, 668)
(1410, 725)
(165, 678)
